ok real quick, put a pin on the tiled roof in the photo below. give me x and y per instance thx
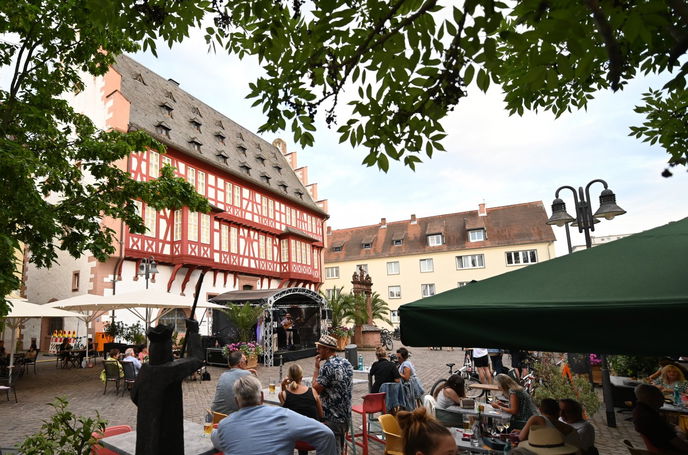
(243, 154)
(518, 224)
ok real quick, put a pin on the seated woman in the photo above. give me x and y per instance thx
(520, 406)
(670, 377)
(408, 375)
(453, 391)
(298, 397)
(549, 409)
(33, 350)
(382, 370)
(423, 435)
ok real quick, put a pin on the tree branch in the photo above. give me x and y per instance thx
(613, 49)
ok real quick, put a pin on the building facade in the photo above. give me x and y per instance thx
(266, 227)
(411, 259)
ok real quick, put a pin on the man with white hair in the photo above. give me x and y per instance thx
(256, 429)
(129, 356)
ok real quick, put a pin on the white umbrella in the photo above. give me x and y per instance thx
(22, 310)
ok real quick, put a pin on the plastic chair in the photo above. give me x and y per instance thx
(372, 403)
(217, 417)
(394, 445)
(109, 431)
(112, 374)
(129, 376)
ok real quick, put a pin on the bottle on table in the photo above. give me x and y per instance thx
(677, 395)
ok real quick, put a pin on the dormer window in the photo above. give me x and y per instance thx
(139, 77)
(299, 194)
(265, 178)
(397, 242)
(220, 137)
(219, 124)
(196, 124)
(169, 95)
(259, 147)
(278, 168)
(366, 246)
(240, 136)
(435, 239)
(337, 248)
(163, 129)
(476, 235)
(242, 150)
(167, 109)
(260, 159)
(196, 111)
(195, 144)
(222, 156)
(245, 168)
(283, 187)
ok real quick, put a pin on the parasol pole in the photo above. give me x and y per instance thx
(197, 293)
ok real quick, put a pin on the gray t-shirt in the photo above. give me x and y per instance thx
(224, 394)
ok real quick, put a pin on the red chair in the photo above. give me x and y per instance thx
(372, 403)
(303, 446)
(109, 431)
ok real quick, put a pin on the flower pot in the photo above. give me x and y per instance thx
(596, 374)
(342, 342)
(252, 361)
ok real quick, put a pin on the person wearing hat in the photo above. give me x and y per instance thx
(545, 441)
(288, 326)
(333, 380)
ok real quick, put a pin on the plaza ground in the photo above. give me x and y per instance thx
(84, 391)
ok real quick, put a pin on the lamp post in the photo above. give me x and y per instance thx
(147, 267)
(585, 221)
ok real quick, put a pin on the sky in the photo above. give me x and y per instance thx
(490, 157)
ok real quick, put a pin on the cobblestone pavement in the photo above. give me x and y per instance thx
(84, 391)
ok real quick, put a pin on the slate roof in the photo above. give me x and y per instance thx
(518, 224)
(243, 154)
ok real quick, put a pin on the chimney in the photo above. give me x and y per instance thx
(174, 82)
(482, 211)
(383, 223)
(413, 219)
(329, 230)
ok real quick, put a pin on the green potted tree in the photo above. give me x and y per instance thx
(359, 314)
(341, 306)
(244, 317)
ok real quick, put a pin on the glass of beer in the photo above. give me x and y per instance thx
(271, 386)
(207, 423)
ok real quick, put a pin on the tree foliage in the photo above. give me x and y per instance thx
(244, 318)
(59, 174)
(408, 63)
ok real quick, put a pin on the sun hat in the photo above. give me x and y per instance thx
(327, 341)
(547, 441)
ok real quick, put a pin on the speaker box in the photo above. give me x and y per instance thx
(213, 356)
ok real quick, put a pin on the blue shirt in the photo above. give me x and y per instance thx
(270, 430)
(135, 361)
(224, 395)
(336, 376)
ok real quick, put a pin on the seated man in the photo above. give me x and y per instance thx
(382, 371)
(571, 412)
(259, 429)
(129, 356)
(650, 423)
(224, 401)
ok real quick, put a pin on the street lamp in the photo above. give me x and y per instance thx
(585, 221)
(147, 267)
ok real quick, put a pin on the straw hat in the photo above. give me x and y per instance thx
(547, 441)
(327, 341)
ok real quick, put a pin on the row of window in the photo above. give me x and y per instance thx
(474, 235)
(470, 261)
(232, 195)
(394, 292)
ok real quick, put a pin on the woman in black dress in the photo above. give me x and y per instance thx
(300, 398)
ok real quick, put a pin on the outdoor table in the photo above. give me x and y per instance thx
(271, 398)
(195, 441)
(365, 370)
(486, 388)
(466, 446)
(668, 408)
(488, 411)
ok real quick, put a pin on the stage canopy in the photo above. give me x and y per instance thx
(629, 296)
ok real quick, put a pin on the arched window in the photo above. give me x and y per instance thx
(175, 318)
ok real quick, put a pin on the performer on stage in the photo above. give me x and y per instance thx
(288, 326)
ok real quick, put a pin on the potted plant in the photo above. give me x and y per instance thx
(342, 334)
(250, 349)
(359, 314)
(244, 318)
(596, 368)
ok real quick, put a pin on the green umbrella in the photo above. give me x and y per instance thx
(629, 296)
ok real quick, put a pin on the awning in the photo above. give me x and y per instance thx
(629, 296)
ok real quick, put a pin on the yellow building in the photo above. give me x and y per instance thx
(420, 257)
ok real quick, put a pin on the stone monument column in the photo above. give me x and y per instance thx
(368, 334)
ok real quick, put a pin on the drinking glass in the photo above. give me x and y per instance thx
(271, 386)
(207, 423)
